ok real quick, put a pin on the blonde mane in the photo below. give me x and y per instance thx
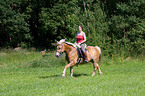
(73, 45)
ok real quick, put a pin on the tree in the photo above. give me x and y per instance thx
(59, 21)
(125, 26)
(14, 28)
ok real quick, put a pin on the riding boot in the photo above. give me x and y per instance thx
(86, 57)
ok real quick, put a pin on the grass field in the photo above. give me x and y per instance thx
(27, 73)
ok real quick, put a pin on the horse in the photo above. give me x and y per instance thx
(70, 49)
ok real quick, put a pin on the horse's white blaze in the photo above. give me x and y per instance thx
(98, 49)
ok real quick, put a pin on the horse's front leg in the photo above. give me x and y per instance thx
(68, 65)
(71, 71)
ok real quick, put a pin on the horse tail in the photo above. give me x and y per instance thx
(100, 56)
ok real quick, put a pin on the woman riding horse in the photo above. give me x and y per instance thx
(72, 56)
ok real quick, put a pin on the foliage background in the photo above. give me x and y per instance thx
(117, 26)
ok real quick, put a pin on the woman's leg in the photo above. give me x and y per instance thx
(83, 46)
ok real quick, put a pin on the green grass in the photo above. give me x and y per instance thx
(24, 78)
(11, 58)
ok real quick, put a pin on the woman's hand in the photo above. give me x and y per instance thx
(78, 45)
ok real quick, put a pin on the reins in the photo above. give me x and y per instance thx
(71, 53)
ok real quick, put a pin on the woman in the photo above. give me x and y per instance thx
(80, 42)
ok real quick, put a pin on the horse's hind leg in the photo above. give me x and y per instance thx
(99, 69)
(95, 68)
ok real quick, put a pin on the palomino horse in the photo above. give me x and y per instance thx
(72, 57)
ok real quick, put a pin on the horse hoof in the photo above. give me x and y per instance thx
(101, 73)
(93, 75)
(63, 75)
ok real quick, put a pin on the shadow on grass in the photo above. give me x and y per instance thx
(78, 75)
(74, 75)
(44, 77)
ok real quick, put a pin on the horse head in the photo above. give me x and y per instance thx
(60, 47)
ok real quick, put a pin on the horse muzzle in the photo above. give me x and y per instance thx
(57, 54)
